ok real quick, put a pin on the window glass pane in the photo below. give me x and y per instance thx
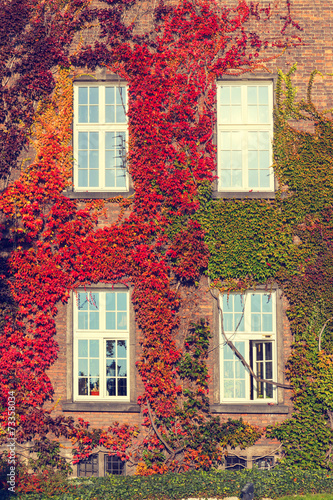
(252, 114)
(236, 141)
(268, 350)
(110, 348)
(263, 95)
(238, 303)
(83, 348)
(122, 301)
(252, 157)
(109, 114)
(263, 114)
(83, 159)
(239, 322)
(269, 370)
(83, 140)
(225, 159)
(267, 321)
(225, 95)
(255, 302)
(83, 386)
(253, 179)
(235, 95)
(229, 389)
(111, 320)
(82, 302)
(94, 348)
(267, 303)
(255, 322)
(93, 95)
(264, 159)
(94, 367)
(236, 114)
(82, 178)
(110, 176)
(259, 351)
(83, 368)
(83, 320)
(111, 367)
(83, 114)
(264, 142)
(122, 387)
(240, 389)
(93, 114)
(121, 321)
(122, 368)
(111, 386)
(94, 321)
(227, 352)
(228, 323)
(93, 178)
(226, 178)
(94, 386)
(122, 349)
(236, 161)
(83, 95)
(120, 114)
(93, 140)
(121, 178)
(236, 176)
(109, 95)
(225, 114)
(252, 95)
(264, 178)
(228, 369)
(110, 301)
(226, 140)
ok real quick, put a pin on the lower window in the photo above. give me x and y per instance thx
(113, 465)
(249, 322)
(101, 345)
(88, 467)
(235, 463)
(264, 462)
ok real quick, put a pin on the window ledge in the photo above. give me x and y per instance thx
(101, 406)
(267, 195)
(250, 408)
(88, 195)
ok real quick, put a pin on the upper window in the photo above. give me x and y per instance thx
(245, 132)
(101, 345)
(100, 136)
(249, 322)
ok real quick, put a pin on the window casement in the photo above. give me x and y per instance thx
(100, 137)
(88, 467)
(101, 346)
(245, 133)
(249, 322)
(114, 465)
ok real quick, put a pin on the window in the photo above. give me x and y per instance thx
(245, 132)
(113, 465)
(249, 322)
(235, 463)
(101, 345)
(88, 467)
(264, 462)
(100, 134)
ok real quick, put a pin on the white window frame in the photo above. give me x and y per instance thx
(249, 338)
(103, 335)
(243, 127)
(102, 128)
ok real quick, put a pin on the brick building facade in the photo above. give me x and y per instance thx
(265, 338)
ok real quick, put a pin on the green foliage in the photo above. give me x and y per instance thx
(267, 483)
(247, 240)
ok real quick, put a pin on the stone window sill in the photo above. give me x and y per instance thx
(100, 406)
(250, 408)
